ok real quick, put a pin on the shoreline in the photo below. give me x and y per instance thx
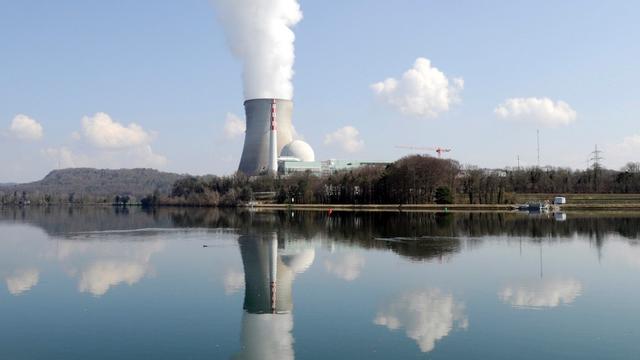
(442, 208)
(612, 207)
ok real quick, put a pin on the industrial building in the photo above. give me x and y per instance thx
(269, 146)
(288, 166)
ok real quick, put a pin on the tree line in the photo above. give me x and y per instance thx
(416, 179)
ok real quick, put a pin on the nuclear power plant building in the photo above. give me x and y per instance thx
(269, 146)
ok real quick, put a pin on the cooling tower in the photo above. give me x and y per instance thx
(255, 154)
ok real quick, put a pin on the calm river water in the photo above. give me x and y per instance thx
(101, 283)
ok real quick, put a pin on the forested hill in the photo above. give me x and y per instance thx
(98, 182)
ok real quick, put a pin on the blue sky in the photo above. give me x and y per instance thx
(166, 66)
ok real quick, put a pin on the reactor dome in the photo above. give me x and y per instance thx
(298, 149)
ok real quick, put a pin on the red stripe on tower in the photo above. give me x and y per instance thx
(273, 115)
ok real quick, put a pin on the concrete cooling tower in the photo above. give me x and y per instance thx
(262, 116)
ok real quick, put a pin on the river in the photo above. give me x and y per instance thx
(105, 283)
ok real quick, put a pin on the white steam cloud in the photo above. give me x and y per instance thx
(259, 33)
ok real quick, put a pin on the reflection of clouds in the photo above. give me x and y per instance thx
(622, 251)
(233, 282)
(268, 335)
(346, 267)
(22, 281)
(427, 316)
(104, 264)
(542, 294)
(101, 275)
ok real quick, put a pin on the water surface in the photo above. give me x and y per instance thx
(103, 283)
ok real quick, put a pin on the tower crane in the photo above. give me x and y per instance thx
(439, 150)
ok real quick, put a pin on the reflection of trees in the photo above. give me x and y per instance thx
(439, 230)
(59, 220)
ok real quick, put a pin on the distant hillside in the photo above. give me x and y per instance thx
(98, 182)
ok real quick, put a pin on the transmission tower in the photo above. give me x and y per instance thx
(596, 158)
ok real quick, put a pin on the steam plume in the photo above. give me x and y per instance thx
(259, 33)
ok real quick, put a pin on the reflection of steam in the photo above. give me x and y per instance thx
(299, 261)
(427, 316)
(267, 336)
(233, 282)
(347, 267)
(22, 281)
(102, 275)
(543, 294)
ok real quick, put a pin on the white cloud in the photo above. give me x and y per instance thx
(25, 128)
(542, 294)
(423, 90)
(347, 138)
(234, 126)
(539, 111)
(233, 282)
(630, 144)
(427, 316)
(628, 150)
(104, 132)
(347, 267)
(108, 144)
(22, 281)
(140, 156)
(65, 158)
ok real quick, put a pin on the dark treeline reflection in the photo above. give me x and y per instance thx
(418, 235)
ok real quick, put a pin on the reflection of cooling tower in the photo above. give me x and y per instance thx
(267, 321)
(257, 259)
(255, 154)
